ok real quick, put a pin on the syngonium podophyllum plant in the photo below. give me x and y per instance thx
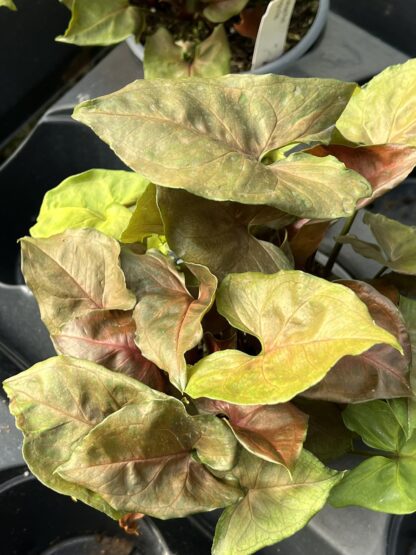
(206, 360)
(182, 37)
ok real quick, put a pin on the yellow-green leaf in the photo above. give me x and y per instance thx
(102, 22)
(384, 110)
(394, 247)
(303, 327)
(8, 4)
(219, 11)
(99, 199)
(167, 59)
(215, 147)
(275, 505)
(145, 220)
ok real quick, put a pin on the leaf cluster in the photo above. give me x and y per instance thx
(205, 359)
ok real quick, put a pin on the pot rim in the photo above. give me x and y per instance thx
(285, 59)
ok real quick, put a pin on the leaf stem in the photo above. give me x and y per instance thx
(380, 272)
(338, 246)
(368, 454)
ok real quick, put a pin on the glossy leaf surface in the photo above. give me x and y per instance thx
(275, 505)
(394, 247)
(98, 22)
(303, 329)
(379, 373)
(214, 148)
(217, 234)
(98, 199)
(274, 433)
(74, 273)
(167, 316)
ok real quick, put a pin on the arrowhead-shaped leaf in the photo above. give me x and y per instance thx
(107, 338)
(56, 403)
(379, 373)
(165, 58)
(303, 328)
(214, 148)
(97, 199)
(381, 483)
(274, 433)
(95, 22)
(392, 96)
(149, 467)
(275, 505)
(217, 446)
(394, 247)
(167, 316)
(74, 273)
(219, 11)
(217, 234)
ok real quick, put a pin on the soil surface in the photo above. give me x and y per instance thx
(195, 28)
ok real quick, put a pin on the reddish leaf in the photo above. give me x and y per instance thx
(384, 166)
(249, 23)
(273, 432)
(379, 373)
(107, 338)
(306, 236)
(215, 344)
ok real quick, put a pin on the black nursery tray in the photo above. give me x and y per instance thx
(37, 521)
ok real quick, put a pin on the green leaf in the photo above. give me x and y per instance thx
(107, 337)
(97, 199)
(8, 4)
(74, 273)
(149, 467)
(165, 58)
(303, 329)
(214, 148)
(95, 22)
(327, 437)
(381, 483)
(58, 402)
(274, 433)
(160, 289)
(395, 245)
(408, 310)
(379, 373)
(219, 11)
(145, 220)
(275, 505)
(218, 234)
(392, 96)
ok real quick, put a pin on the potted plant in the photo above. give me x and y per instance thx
(206, 360)
(204, 38)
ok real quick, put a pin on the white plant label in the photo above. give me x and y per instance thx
(272, 34)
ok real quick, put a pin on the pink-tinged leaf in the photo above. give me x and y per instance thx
(305, 238)
(167, 316)
(274, 433)
(380, 372)
(107, 338)
(384, 166)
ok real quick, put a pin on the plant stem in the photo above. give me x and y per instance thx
(380, 272)
(367, 454)
(338, 246)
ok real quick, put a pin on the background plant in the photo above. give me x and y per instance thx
(206, 359)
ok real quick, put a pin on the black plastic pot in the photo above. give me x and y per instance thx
(401, 538)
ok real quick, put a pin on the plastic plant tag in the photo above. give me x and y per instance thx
(271, 37)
